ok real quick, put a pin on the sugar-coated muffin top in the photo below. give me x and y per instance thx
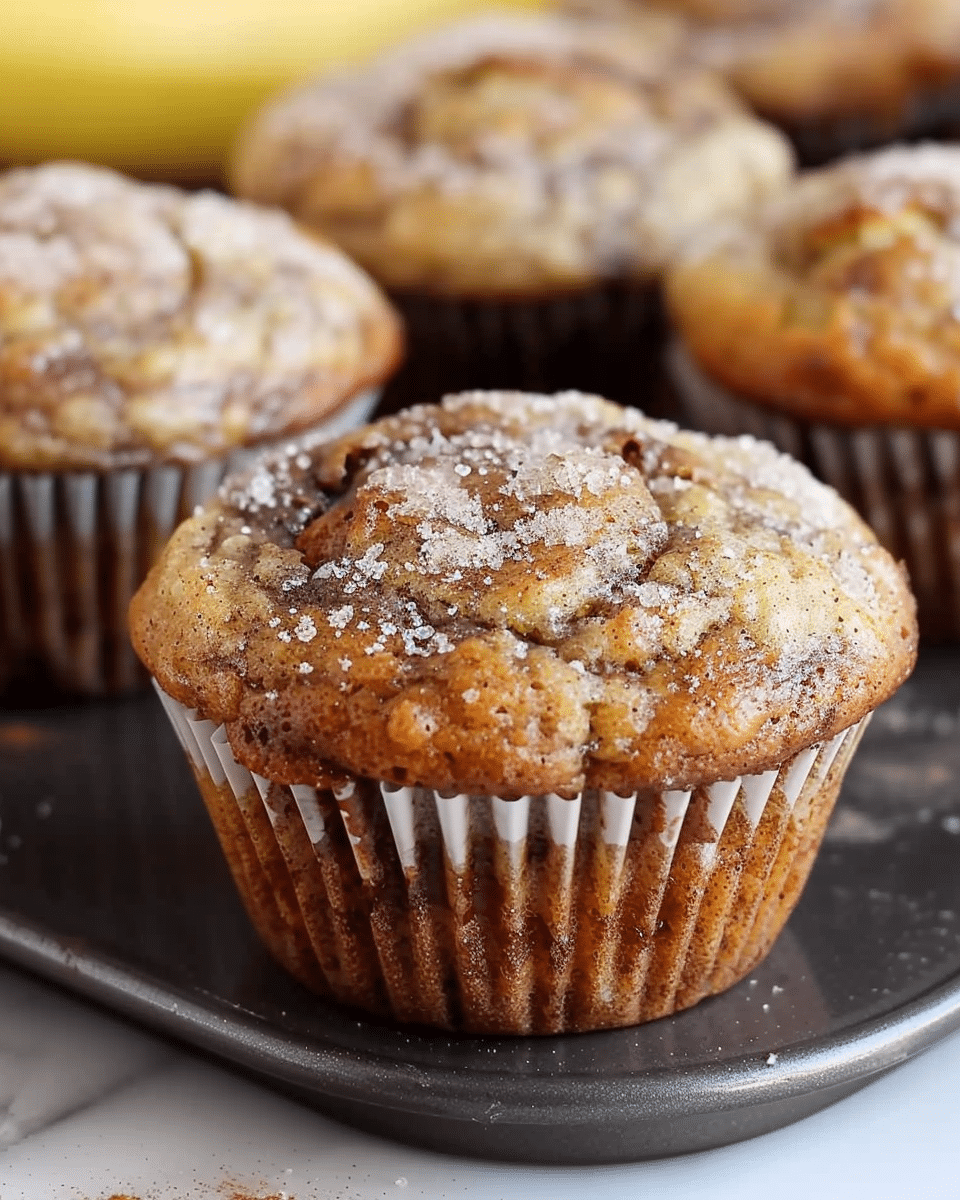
(142, 324)
(506, 155)
(840, 300)
(803, 60)
(520, 594)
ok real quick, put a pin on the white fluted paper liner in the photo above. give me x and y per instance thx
(536, 915)
(904, 482)
(74, 547)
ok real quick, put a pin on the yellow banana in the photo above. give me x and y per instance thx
(160, 87)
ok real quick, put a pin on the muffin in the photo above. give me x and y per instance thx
(522, 714)
(148, 337)
(837, 75)
(517, 183)
(831, 325)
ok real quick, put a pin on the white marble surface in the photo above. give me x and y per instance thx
(91, 1108)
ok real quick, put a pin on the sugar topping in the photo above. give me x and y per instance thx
(569, 147)
(358, 109)
(925, 175)
(840, 300)
(552, 583)
(140, 323)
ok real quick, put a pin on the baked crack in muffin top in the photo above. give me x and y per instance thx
(519, 594)
(508, 155)
(139, 323)
(840, 300)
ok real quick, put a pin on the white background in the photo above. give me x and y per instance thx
(91, 1108)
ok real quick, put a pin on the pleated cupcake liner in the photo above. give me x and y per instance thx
(933, 113)
(605, 340)
(75, 546)
(536, 915)
(904, 482)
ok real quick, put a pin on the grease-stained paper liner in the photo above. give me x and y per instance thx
(75, 546)
(536, 915)
(904, 482)
(606, 340)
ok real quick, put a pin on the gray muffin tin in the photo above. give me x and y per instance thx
(112, 885)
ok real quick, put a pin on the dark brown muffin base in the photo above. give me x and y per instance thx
(606, 341)
(933, 114)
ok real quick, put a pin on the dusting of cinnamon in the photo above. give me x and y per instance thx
(516, 595)
(535, 708)
(141, 324)
(512, 155)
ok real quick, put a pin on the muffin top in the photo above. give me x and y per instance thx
(141, 324)
(840, 301)
(509, 156)
(803, 60)
(519, 594)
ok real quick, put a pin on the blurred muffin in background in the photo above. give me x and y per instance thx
(147, 338)
(836, 75)
(830, 324)
(518, 185)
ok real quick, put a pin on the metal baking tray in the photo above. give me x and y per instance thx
(112, 884)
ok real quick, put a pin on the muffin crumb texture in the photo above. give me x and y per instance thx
(517, 595)
(876, 63)
(141, 324)
(504, 156)
(840, 301)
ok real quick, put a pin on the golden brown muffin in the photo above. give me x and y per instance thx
(830, 324)
(517, 182)
(145, 335)
(141, 324)
(836, 74)
(540, 645)
(510, 156)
